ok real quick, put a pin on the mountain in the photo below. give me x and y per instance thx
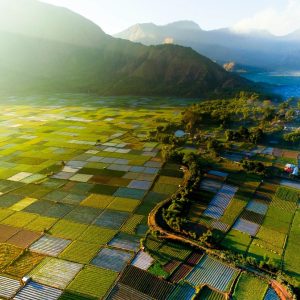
(51, 49)
(255, 49)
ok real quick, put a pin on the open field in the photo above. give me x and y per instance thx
(77, 182)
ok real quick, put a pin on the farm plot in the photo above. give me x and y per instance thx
(112, 259)
(175, 251)
(291, 257)
(260, 249)
(97, 201)
(250, 287)
(210, 185)
(81, 252)
(111, 219)
(93, 281)
(123, 204)
(180, 273)
(95, 234)
(36, 291)
(257, 207)
(246, 226)
(171, 266)
(75, 296)
(208, 294)
(41, 224)
(142, 260)
(67, 229)
(83, 215)
(219, 203)
(240, 200)
(194, 258)
(236, 241)
(212, 273)
(55, 272)
(23, 264)
(23, 238)
(19, 219)
(8, 287)
(252, 217)
(121, 291)
(6, 232)
(132, 193)
(8, 254)
(125, 241)
(49, 245)
(182, 291)
(145, 283)
(275, 239)
(132, 223)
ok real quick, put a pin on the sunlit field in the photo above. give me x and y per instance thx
(77, 183)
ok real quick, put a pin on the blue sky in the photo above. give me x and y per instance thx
(277, 16)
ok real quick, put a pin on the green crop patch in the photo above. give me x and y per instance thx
(132, 223)
(19, 219)
(75, 296)
(93, 281)
(237, 241)
(175, 251)
(249, 287)
(97, 201)
(104, 189)
(95, 234)
(81, 252)
(123, 204)
(41, 224)
(67, 229)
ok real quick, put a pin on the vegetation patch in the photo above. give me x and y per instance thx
(250, 287)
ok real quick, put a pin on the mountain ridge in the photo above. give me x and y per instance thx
(85, 59)
(253, 48)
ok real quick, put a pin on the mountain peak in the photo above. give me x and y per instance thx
(184, 24)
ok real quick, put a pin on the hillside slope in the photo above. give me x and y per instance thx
(254, 49)
(51, 49)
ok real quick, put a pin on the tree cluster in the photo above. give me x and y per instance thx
(255, 167)
(292, 137)
(243, 134)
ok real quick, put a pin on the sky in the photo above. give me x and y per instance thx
(277, 16)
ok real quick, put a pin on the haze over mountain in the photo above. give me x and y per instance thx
(253, 49)
(51, 49)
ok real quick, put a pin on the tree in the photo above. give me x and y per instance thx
(229, 135)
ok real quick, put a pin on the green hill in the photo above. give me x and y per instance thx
(51, 49)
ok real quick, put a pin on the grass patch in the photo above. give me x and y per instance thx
(249, 287)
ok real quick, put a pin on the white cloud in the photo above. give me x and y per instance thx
(278, 22)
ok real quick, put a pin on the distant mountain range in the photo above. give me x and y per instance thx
(254, 50)
(51, 49)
